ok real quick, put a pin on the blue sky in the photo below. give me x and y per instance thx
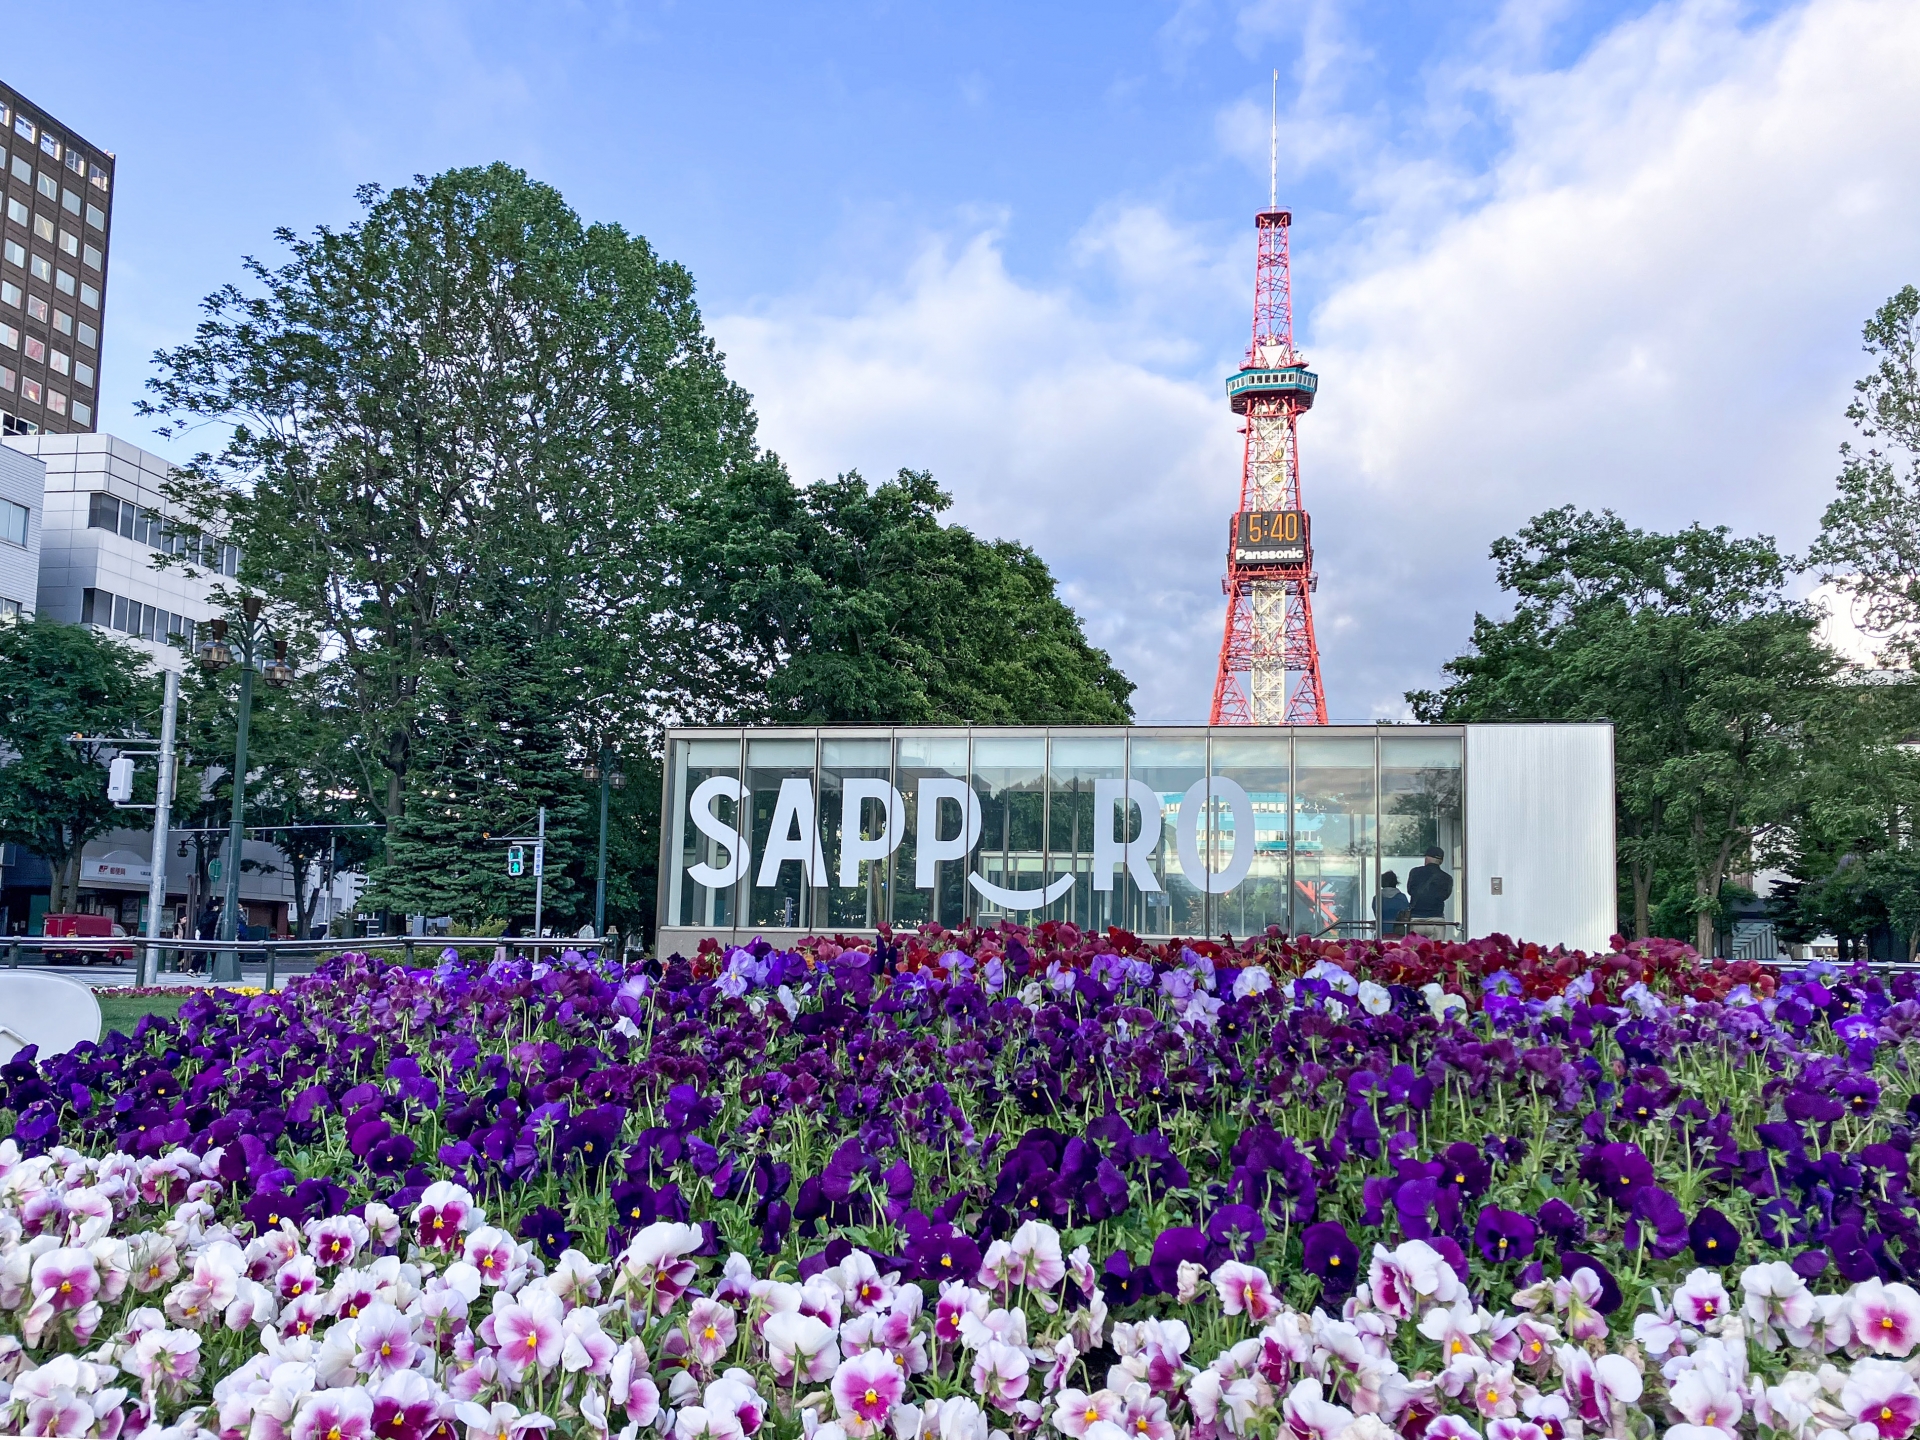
(1545, 252)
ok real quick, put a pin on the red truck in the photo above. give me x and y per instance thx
(85, 927)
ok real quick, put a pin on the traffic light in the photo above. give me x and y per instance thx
(516, 860)
(120, 779)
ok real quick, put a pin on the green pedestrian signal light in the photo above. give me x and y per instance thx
(516, 860)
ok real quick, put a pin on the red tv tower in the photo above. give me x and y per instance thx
(1269, 660)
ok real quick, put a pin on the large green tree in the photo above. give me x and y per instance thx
(466, 385)
(58, 681)
(1869, 543)
(1688, 643)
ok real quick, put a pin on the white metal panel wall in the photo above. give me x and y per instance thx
(1540, 827)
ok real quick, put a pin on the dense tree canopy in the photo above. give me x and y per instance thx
(1688, 644)
(58, 681)
(1869, 541)
(862, 606)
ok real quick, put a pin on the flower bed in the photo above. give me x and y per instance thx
(994, 1181)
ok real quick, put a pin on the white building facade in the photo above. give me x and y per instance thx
(23, 483)
(104, 529)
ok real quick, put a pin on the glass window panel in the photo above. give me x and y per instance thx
(1420, 808)
(1166, 766)
(943, 899)
(784, 817)
(1334, 861)
(1263, 768)
(1010, 779)
(690, 902)
(1077, 763)
(856, 801)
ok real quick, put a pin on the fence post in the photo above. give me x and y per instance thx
(408, 947)
(271, 955)
(13, 956)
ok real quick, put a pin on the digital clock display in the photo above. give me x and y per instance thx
(1270, 537)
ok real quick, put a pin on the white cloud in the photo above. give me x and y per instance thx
(1650, 300)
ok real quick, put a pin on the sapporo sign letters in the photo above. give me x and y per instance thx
(947, 804)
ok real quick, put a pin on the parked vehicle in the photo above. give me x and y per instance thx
(85, 927)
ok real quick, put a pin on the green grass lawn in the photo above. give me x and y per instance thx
(123, 1012)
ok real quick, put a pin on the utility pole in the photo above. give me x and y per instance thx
(539, 871)
(162, 820)
(216, 654)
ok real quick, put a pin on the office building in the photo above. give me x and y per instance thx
(104, 530)
(23, 483)
(58, 196)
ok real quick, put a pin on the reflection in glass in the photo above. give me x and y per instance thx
(694, 763)
(868, 765)
(1420, 809)
(1333, 836)
(939, 761)
(785, 840)
(1260, 768)
(1010, 779)
(1168, 767)
(1076, 765)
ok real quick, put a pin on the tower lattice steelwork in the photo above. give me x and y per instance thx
(1269, 661)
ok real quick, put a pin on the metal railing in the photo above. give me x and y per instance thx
(414, 949)
(1408, 928)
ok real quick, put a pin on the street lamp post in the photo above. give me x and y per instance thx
(216, 654)
(606, 771)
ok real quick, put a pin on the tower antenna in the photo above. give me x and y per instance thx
(1273, 149)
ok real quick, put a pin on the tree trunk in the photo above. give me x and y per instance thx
(1642, 900)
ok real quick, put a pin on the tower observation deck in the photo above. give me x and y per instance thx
(1269, 660)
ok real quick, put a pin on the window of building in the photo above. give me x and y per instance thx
(87, 337)
(22, 171)
(63, 322)
(60, 362)
(103, 512)
(17, 213)
(90, 257)
(9, 292)
(37, 308)
(7, 377)
(83, 375)
(16, 253)
(76, 162)
(82, 414)
(69, 242)
(98, 179)
(63, 282)
(48, 186)
(90, 297)
(70, 202)
(10, 336)
(43, 227)
(10, 607)
(23, 127)
(36, 349)
(40, 268)
(56, 402)
(13, 522)
(50, 143)
(96, 217)
(14, 425)
(30, 391)
(118, 618)
(229, 559)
